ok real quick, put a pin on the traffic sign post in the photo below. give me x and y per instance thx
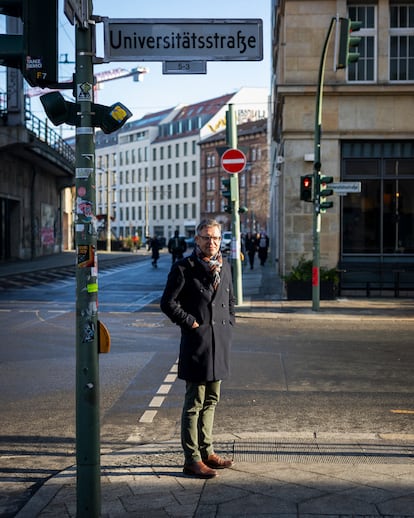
(233, 161)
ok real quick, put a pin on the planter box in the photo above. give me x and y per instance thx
(302, 290)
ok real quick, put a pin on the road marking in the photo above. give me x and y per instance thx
(149, 415)
(164, 389)
(400, 411)
(156, 401)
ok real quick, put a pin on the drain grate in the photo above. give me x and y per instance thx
(316, 451)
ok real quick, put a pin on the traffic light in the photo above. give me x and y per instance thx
(306, 193)
(108, 118)
(226, 193)
(348, 43)
(324, 191)
(35, 51)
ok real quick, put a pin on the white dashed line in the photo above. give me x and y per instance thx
(149, 415)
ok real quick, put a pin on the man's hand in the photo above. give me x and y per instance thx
(195, 325)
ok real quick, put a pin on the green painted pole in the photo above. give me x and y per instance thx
(317, 176)
(88, 488)
(235, 216)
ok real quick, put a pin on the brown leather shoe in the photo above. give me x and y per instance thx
(215, 462)
(199, 469)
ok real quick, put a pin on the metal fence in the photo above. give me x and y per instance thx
(42, 131)
(46, 134)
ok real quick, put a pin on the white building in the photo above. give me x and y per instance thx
(153, 164)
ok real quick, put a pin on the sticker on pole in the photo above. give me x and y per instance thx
(233, 161)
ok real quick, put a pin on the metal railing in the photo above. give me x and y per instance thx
(46, 134)
(42, 131)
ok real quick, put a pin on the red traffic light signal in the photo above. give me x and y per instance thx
(306, 193)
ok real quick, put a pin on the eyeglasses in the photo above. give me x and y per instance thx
(210, 238)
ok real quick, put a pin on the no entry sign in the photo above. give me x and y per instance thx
(233, 161)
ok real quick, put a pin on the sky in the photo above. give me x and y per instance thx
(158, 91)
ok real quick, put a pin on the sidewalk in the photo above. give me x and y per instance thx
(274, 475)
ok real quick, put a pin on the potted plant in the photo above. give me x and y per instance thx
(298, 281)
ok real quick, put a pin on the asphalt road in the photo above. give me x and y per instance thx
(289, 375)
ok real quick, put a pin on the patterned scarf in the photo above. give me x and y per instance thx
(212, 264)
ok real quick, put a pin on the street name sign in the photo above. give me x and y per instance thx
(233, 161)
(346, 187)
(169, 39)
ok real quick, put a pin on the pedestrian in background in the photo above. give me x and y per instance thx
(251, 248)
(198, 297)
(154, 245)
(177, 246)
(263, 248)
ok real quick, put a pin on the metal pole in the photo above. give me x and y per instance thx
(108, 206)
(88, 489)
(317, 176)
(235, 216)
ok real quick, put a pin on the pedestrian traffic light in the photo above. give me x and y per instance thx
(35, 51)
(348, 43)
(108, 118)
(306, 193)
(226, 193)
(324, 191)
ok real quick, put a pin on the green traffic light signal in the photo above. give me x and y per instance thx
(226, 193)
(348, 43)
(324, 191)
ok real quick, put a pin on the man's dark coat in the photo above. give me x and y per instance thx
(188, 297)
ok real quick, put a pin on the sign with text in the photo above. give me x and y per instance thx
(184, 67)
(346, 187)
(183, 39)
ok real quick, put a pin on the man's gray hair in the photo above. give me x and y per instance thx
(205, 223)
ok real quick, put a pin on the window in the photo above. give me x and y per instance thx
(401, 42)
(380, 219)
(364, 69)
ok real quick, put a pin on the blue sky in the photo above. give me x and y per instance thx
(158, 91)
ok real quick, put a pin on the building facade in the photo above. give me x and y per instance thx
(153, 165)
(367, 134)
(253, 181)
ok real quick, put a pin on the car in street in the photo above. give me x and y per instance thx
(226, 241)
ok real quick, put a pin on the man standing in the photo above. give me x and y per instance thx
(199, 298)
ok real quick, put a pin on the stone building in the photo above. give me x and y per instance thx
(367, 136)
